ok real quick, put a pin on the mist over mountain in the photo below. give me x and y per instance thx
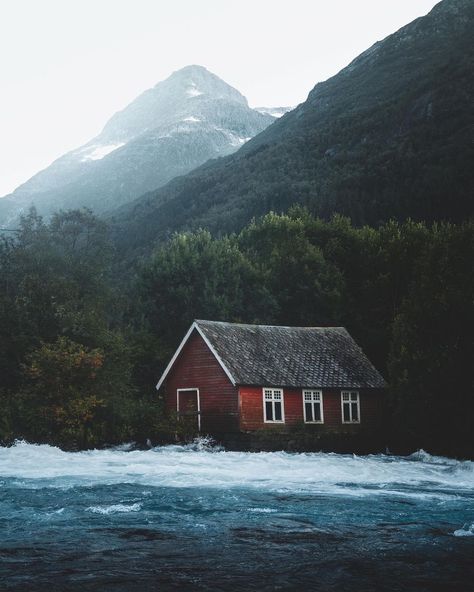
(390, 136)
(167, 131)
(274, 111)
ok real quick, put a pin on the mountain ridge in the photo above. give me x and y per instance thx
(166, 131)
(387, 137)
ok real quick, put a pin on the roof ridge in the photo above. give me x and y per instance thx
(269, 326)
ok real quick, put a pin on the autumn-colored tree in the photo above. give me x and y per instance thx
(64, 391)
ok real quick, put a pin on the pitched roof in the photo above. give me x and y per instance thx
(265, 355)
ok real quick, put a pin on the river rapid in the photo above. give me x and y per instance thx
(200, 518)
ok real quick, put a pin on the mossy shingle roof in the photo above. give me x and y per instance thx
(296, 357)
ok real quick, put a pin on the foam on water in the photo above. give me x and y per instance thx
(244, 521)
(466, 531)
(115, 509)
(200, 466)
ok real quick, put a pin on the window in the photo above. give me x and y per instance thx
(350, 407)
(313, 406)
(273, 405)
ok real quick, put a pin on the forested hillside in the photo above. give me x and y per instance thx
(81, 351)
(390, 136)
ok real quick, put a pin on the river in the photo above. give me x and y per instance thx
(200, 518)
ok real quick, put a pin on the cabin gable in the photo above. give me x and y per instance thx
(196, 367)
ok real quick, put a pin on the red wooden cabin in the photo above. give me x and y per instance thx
(239, 378)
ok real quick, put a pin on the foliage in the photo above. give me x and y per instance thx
(403, 290)
(196, 276)
(65, 373)
(85, 338)
(306, 287)
(431, 350)
(63, 386)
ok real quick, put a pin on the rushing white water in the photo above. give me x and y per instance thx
(420, 475)
(242, 521)
(466, 531)
(115, 509)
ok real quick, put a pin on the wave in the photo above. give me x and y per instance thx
(115, 509)
(198, 465)
(425, 457)
(466, 531)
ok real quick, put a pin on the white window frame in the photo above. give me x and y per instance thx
(313, 392)
(350, 401)
(181, 390)
(273, 400)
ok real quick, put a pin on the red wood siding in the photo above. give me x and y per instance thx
(197, 367)
(251, 409)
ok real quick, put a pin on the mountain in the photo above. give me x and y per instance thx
(274, 111)
(167, 131)
(390, 136)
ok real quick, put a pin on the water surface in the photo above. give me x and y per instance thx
(198, 518)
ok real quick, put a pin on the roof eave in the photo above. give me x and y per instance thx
(311, 386)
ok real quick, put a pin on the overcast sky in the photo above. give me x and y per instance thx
(67, 65)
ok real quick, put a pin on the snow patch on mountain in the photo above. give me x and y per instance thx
(193, 91)
(97, 152)
(234, 139)
(237, 140)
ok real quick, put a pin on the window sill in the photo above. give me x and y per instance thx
(273, 421)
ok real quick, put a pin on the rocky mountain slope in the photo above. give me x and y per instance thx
(167, 131)
(390, 136)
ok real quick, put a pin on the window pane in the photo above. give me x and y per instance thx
(277, 395)
(317, 412)
(268, 411)
(277, 411)
(346, 412)
(309, 412)
(353, 396)
(345, 396)
(355, 412)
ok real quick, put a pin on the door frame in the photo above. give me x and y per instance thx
(180, 390)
